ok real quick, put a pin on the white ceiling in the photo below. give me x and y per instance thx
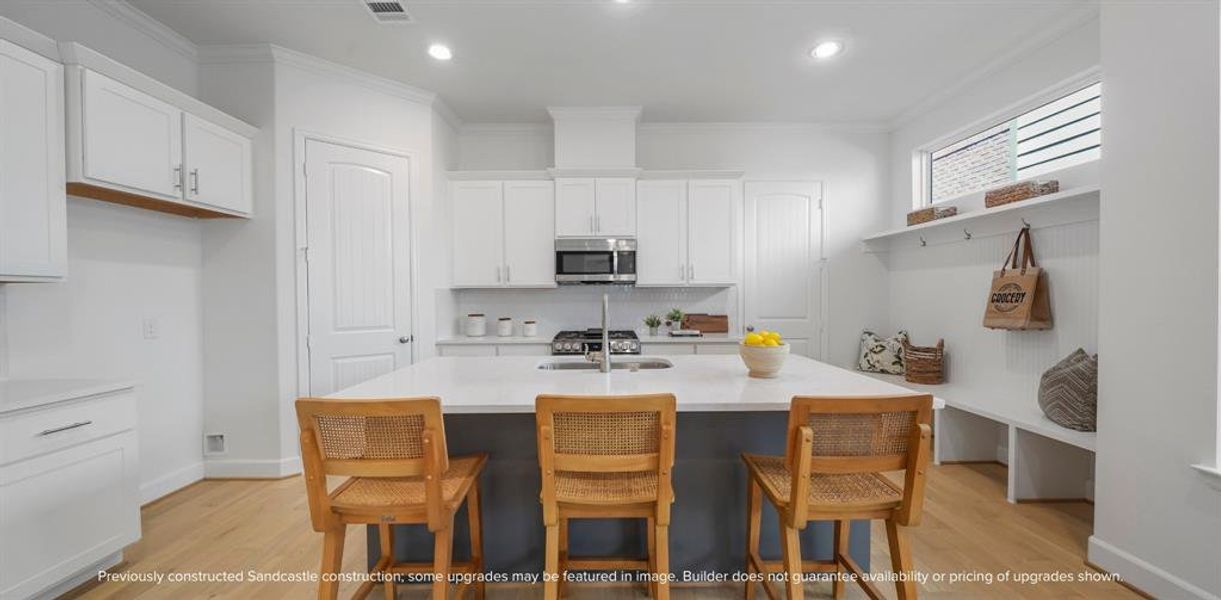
(682, 60)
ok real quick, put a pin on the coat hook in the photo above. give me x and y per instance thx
(966, 234)
(923, 242)
(1025, 223)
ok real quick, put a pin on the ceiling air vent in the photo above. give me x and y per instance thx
(388, 12)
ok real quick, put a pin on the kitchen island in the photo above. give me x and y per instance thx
(489, 405)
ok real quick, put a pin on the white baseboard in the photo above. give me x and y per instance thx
(1143, 575)
(80, 578)
(251, 469)
(170, 482)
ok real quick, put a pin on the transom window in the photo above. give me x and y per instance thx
(1057, 135)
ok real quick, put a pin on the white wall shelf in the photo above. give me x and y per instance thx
(1066, 206)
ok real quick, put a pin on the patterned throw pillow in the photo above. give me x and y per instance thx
(1068, 392)
(882, 355)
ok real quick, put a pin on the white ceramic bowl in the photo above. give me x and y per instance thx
(763, 361)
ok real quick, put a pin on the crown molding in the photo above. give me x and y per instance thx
(256, 53)
(764, 126)
(447, 114)
(595, 113)
(506, 129)
(1041, 38)
(142, 22)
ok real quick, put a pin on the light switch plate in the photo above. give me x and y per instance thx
(152, 328)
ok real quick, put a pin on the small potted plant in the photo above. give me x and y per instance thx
(674, 319)
(652, 322)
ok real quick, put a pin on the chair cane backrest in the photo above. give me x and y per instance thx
(374, 438)
(606, 434)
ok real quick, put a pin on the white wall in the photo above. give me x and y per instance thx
(850, 161)
(124, 265)
(252, 376)
(938, 291)
(1156, 521)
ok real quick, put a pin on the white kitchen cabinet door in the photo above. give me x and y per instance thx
(717, 348)
(217, 166)
(132, 141)
(616, 206)
(667, 349)
(478, 230)
(467, 350)
(529, 233)
(712, 232)
(575, 207)
(661, 232)
(523, 350)
(32, 200)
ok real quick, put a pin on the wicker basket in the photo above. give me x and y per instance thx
(924, 364)
(931, 213)
(1020, 191)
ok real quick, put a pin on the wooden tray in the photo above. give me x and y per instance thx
(706, 323)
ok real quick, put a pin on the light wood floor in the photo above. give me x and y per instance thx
(263, 526)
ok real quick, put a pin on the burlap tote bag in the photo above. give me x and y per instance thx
(1018, 298)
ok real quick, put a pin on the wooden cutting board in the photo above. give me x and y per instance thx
(706, 323)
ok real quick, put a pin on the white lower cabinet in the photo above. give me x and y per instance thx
(492, 349)
(673, 349)
(69, 491)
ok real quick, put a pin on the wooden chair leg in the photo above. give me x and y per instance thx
(551, 564)
(442, 554)
(661, 538)
(900, 560)
(474, 519)
(332, 561)
(651, 542)
(386, 539)
(790, 548)
(563, 564)
(754, 513)
(842, 531)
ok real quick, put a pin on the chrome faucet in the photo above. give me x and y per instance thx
(603, 358)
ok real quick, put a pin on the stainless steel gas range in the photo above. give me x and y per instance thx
(590, 340)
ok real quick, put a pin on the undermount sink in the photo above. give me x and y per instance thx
(617, 364)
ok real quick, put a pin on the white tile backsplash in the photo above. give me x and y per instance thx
(580, 306)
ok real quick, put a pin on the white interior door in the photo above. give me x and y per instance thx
(783, 277)
(359, 269)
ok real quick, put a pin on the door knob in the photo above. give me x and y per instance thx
(406, 339)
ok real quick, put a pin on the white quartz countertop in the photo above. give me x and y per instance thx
(22, 394)
(708, 338)
(509, 384)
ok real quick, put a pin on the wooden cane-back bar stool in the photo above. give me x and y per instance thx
(394, 454)
(832, 471)
(606, 457)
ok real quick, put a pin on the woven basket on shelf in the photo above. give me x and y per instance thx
(1017, 192)
(924, 364)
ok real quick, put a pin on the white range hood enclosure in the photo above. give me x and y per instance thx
(595, 138)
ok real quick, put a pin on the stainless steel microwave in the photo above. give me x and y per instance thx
(595, 260)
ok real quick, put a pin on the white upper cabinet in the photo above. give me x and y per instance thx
(132, 141)
(478, 233)
(529, 233)
(616, 206)
(32, 199)
(593, 207)
(575, 207)
(503, 234)
(712, 231)
(661, 258)
(688, 232)
(217, 166)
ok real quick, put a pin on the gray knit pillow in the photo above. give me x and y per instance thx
(1068, 392)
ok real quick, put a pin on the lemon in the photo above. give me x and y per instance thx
(753, 339)
(771, 342)
(763, 333)
(773, 335)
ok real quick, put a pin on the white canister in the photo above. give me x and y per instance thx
(529, 328)
(476, 325)
(504, 327)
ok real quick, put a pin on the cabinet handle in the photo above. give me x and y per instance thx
(178, 177)
(497, 273)
(195, 181)
(46, 432)
(691, 271)
(592, 228)
(508, 274)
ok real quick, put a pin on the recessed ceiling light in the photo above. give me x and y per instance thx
(622, 1)
(440, 52)
(826, 49)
